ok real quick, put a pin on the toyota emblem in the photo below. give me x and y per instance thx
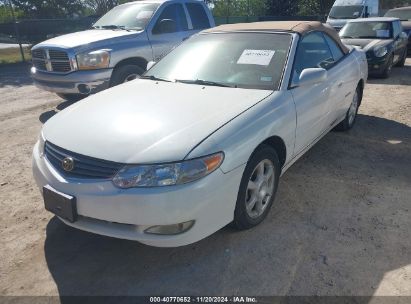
(68, 164)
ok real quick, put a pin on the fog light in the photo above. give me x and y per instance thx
(170, 229)
(33, 70)
(376, 66)
(84, 89)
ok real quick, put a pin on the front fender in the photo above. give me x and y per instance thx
(273, 116)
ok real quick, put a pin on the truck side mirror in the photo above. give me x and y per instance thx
(165, 26)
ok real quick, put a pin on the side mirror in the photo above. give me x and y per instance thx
(312, 76)
(165, 26)
(150, 65)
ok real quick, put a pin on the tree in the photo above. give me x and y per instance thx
(39, 9)
(100, 7)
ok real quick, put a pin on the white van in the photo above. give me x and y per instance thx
(345, 10)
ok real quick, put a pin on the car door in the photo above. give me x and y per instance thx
(310, 101)
(168, 30)
(342, 75)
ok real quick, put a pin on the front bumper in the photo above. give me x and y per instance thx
(376, 65)
(77, 82)
(107, 210)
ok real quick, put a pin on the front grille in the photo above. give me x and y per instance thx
(51, 60)
(84, 166)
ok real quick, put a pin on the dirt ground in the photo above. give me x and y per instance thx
(340, 225)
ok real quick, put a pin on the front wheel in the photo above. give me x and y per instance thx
(351, 114)
(401, 62)
(387, 71)
(257, 188)
(125, 73)
(72, 97)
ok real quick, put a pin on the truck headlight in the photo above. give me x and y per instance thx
(93, 60)
(136, 176)
(381, 51)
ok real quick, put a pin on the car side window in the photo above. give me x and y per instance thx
(198, 16)
(334, 47)
(172, 19)
(312, 52)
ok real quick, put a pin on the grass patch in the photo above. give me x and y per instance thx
(12, 55)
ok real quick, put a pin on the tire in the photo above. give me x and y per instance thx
(387, 71)
(247, 214)
(401, 63)
(351, 114)
(125, 73)
(72, 97)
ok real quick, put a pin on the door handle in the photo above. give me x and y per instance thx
(340, 84)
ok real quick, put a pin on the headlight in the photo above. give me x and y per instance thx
(93, 60)
(380, 51)
(167, 174)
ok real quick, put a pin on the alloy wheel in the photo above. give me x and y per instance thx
(260, 188)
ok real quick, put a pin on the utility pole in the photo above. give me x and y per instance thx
(16, 30)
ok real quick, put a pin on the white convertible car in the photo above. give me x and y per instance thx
(202, 138)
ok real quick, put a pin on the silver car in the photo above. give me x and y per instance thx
(118, 46)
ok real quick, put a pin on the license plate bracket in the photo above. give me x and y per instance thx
(61, 204)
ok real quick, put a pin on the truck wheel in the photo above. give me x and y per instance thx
(72, 97)
(387, 71)
(351, 115)
(401, 62)
(125, 73)
(257, 188)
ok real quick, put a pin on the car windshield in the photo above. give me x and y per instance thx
(403, 15)
(243, 60)
(371, 30)
(345, 12)
(129, 16)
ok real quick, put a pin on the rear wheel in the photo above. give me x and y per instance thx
(125, 73)
(351, 115)
(257, 188)
(72, 97)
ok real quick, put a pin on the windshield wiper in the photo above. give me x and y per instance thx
(205, 82)
(152, 77)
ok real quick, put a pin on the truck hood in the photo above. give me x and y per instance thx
(367, 44)
(85, 37)
(145, 121)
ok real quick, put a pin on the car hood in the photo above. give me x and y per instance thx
(337, 22)
(85, 37)
(367, 44)
(144, 121)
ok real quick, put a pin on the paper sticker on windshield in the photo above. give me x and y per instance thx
(383, 33)
(259, 57)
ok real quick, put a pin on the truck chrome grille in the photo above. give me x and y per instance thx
(51, 60)
(83, 166)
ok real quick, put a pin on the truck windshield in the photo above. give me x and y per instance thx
(346, 12)
(128, 16)
(368, 29)
(403, 15)
(238, 60)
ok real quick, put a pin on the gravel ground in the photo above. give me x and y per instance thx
(340, 225)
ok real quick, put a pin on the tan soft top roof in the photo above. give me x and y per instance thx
(301, 27)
